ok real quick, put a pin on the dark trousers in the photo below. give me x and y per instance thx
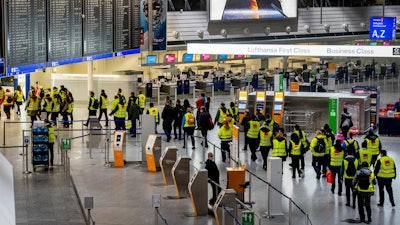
(103, 111)
(71, 116)
(91, 113)
(225, 148)
(215, 192)
(364, 199)
(167, 127)
(48, 114)
(382, 184)
(317, 163)
(335, 170)
(373, 160)
(51, 153)
(119, 123)
(264, 152)
(7, 109)
(253, 145)
(296, 165)
(188, 132)
(302, 161)
(204, 132)
(132, 131)
(345, 130)
(65, 119)
(325, 163)
(54, 116)
(178, 126)
(348, 183)
(246, 141)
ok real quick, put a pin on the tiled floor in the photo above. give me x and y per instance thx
(122, 196)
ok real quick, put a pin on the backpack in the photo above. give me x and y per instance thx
(211, 125)
(350, 146)
(95, 104)
(351, 169)
(363, 181)
(9, 99)
(320, 147)
(190, 120)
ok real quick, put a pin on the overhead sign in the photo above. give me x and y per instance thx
(382, 28)
(295, 50)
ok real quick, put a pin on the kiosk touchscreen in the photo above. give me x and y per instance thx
(242, 100)
(260, 102)
(277, 110)
(167, 161)
(198, 190)
(119, 149)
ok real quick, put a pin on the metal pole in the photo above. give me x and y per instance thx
(4, 132)
(155, 216)
(214, 150)
(26, 159)
(176, 94)
(306, 215)
(250, 190)
(88, 217)
(269, 202)
(212, 91)
(290, 211)
(83, 139)
(158, 96)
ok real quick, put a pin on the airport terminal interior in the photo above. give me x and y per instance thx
(106, 176)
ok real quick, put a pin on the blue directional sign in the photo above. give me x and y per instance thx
(382, 28)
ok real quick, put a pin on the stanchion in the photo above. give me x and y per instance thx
(25, 149)
(83, 136)
(4, 132)
(212, 91)
(107, 154)
(290, 211)
(158, 96)
(176, 94)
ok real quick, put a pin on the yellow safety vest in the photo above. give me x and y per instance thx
(51, 134)
(6, 98)
(371, 187)
(56, 105)
(114, 104)
(222, 116)
(233, 111)
(1, 92)
(336, 157)
(34, 104)
(350, 141)
(265, 138)
(365, 156)
(186, 120)
(141, 100)
(387, 167)
(54, 92)
(121, 112)
(224, 134)
(20, 96)
(296, 148)
(70, 107)
(346, 164)
(303, 140)
(154, 111)
(48, 104)
(253, 130)
(104, 102)
(91, 103)
(314, 143)
(279, 148)
(373, 146)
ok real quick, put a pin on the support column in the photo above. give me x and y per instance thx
(90, 76)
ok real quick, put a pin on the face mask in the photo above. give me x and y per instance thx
(212, 158)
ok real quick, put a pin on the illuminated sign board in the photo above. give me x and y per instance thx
(382, 28)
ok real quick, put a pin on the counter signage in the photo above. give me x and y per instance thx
(25, 34)
(382, 28)
(97, 57)
(64, 31)
(65, 61)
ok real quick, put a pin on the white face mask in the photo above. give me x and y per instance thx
(212, 158)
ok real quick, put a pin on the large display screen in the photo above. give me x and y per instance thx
(205, 57)
(170, 58)
(151, 59)
(187, 57)
(252, 9)
(242, 106)
(223, 57)
(382, 28)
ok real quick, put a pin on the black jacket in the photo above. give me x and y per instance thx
(213, 172)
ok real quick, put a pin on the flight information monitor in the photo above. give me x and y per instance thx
(64, 32)
(25, 33)
(98, 29)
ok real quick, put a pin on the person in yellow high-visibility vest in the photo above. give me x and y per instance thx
(385, 171)
(50, 143)
(19, 98)
(141, 101)
(92, 107)
(8, 102)
(295, 147)
(119, 112)
(225, 135)
(33, 107)
(154, 112)
(279, 148)
(336, 153)
(265, 137)
(253, 128)
(103, 106)
(1, 96)
(364, 155)
(373, 144)
(363, 183)
(188, 125)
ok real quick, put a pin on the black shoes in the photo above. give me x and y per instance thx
(379, 204)
(85, 124)
(168, 139)
(193, 147)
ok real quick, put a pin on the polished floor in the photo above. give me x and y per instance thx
(122, 196)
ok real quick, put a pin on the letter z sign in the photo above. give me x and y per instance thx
(382, 28)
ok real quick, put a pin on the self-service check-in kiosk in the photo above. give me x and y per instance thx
(180, 174)
(260, 102)
(236, 180)
(277, 110)
(226, 199)
(167, 161)
(242, 100)
(153, 152)
(119, 148)
(198, 190)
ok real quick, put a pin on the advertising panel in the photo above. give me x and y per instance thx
(157, 39)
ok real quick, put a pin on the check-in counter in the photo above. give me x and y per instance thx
(205, 85)
(170, 87)
(238, 81)
(154, 90)
(305, 87)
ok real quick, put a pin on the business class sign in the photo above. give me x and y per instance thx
(295, 50)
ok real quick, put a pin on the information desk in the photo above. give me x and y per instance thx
(205, 85)
(389, 126)
(236, 178)
(170, 88)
